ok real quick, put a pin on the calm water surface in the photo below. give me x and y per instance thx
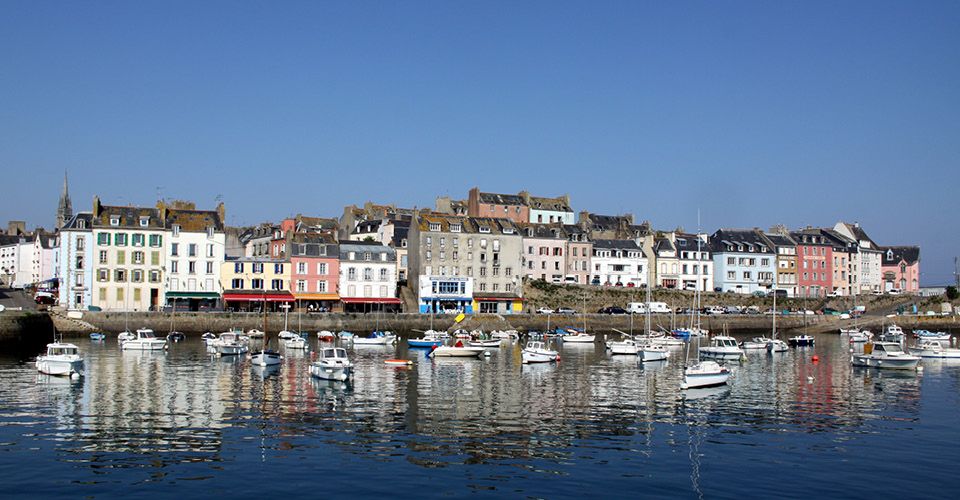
(182, 423)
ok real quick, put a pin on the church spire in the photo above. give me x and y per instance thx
(65, 208)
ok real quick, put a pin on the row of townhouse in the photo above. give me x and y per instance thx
(28, 259)
(811, 262)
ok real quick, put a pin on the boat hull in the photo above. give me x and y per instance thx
(230, 349)
(424, 343)
(723, 354)
(457, 352)
(538, 357)
(144, 345)
(265, 358)
(647, 355)
(50, 365)
(935, 353)
(330, 371)
(581, 339)
(708, 374)
(890, 363)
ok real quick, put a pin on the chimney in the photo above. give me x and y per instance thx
(222, 213)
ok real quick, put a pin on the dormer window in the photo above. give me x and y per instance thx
(114, 220)
(144, 221)
(455, 228)
(889, 254)
(434, 226)
(81, 224)
(176, 230)
(484, 229)
(508, 230)
(210, 232)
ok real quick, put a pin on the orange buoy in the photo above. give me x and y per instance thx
(815, 359)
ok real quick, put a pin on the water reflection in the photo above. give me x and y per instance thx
(154, 410)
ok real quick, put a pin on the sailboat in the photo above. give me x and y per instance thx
(265, 357)
(803, 339)
(775, 344)
(648, 351)
(61, 359)
(126, 334)
(703, 373)
(298, 341)
(174, 336)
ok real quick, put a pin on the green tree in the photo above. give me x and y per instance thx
(952, 293)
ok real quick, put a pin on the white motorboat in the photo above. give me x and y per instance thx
(297, 342)
(934, 349)
(650, 352)
(579, 337)
(228, 344)
(892, 333)
(722, 347)
(665, 341)
(485, 343)
(704, 374)
(623, 347)
(688, 332)
(885, 355)
(504, 334)
(145, 340)
(928, 335)
(333, 364)
(756, 343)
(457, 351)
(326, 336)
(849, 331)
(345, 335)
(287, 334)
(61, 359)
(207, 337)
(375, 338)
(777, 345)
(429, 339)
(125, 336)
(255, 334)
(537, 352)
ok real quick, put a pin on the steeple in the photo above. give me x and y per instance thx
(65, 208)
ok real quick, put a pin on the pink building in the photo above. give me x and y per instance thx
(900, 268)
(814, 263)
(315, 271)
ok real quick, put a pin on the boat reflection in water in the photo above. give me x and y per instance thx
(510, 425)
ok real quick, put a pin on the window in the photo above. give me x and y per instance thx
(103, 238)
(137, 275)
(764, 262)
(747, 275)
(138, 257)
(154, 276)
(470, 243)
(731, 275)
(278, 269)
(103, 256)
(192, 250)
(428, 255)
(496, 245)
(483, 288)
(731, 261)
(383, 274)
(483, 243)
(351, 273)
(119, 294)
(322, 268)
(276, 285)
(121, 257)
(120, 275)
(434, 226)
(236, 284)
(81, 243)
(508, 287)
(120, 239)
(174, 265)
(209, 267)
(469, 271)
(137, 240)
(176, 230)
(174, 249)
(79, 264)
(443, 242)
(256, 283)
(321, 286)
(238, 267)
(443, 255)
(155, 240)
(367, 274)
(455, 228)
(103, 275)
(192, 267)
(496, 287)
(301, 268)
(209, 250)
(258, 268)
(301, 285)
(483, 271)
(114, 220)
(429, 241)
(508, 271)
(484, 229)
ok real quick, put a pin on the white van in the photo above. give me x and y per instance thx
(655, 307)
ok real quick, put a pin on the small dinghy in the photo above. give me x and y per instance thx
(398, 362)
(97, 336)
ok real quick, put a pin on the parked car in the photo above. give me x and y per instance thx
(713, 310)
(835, 293)
(47, 300)
(751, 310)
(612, 310)
(566, 310)
(544, 310)
(894, 291)
(731, 310)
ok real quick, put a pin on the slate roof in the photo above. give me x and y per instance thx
(780, 240)
(860, 234)
(839, 241)
(129, 217)
(313, 245)
(688, 242)
(909, 254)
(751, 240)
(663, 245)
(810, 237)
(360, 247)
(74, 223)
(501, 199)
(618, 245)
(554, 204)
(194, 221)
(6, 239)
(467, 224)
(544, 231)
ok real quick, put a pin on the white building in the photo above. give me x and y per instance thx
(195, 248)
(550, 210)
(869, 257)
(44, 258)
(695, 263)
(368, 276)
(618, 263)
(76, 262)
(10, 259)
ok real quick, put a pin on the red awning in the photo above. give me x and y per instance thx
(369, 300)
(249, 297)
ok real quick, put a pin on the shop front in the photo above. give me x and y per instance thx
(253, 301)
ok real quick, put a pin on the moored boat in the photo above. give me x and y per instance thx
(228, 344)
(935, 349)
(536, 352)
(326, 336)
(145, 340)
(176, 336)
(722, 347)
(704, 374)
(97, 336)
(756, 343)
(892, 333)
(777, 345)
(61, 359)
(485, 343)
(650, 352)
(333, 364)
(928, 335)
(623, 347)
(458, 350)
(297, 342)
(885, 355)
(801, 340)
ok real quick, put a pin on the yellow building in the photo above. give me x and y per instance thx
(250, 282)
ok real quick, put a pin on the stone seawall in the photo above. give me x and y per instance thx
(25, 331)
(196, 323)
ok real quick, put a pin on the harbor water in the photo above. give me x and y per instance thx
(182, 423)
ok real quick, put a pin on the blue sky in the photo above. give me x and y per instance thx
(758, 113)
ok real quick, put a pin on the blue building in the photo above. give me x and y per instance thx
(743, 261)
(76, 262)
